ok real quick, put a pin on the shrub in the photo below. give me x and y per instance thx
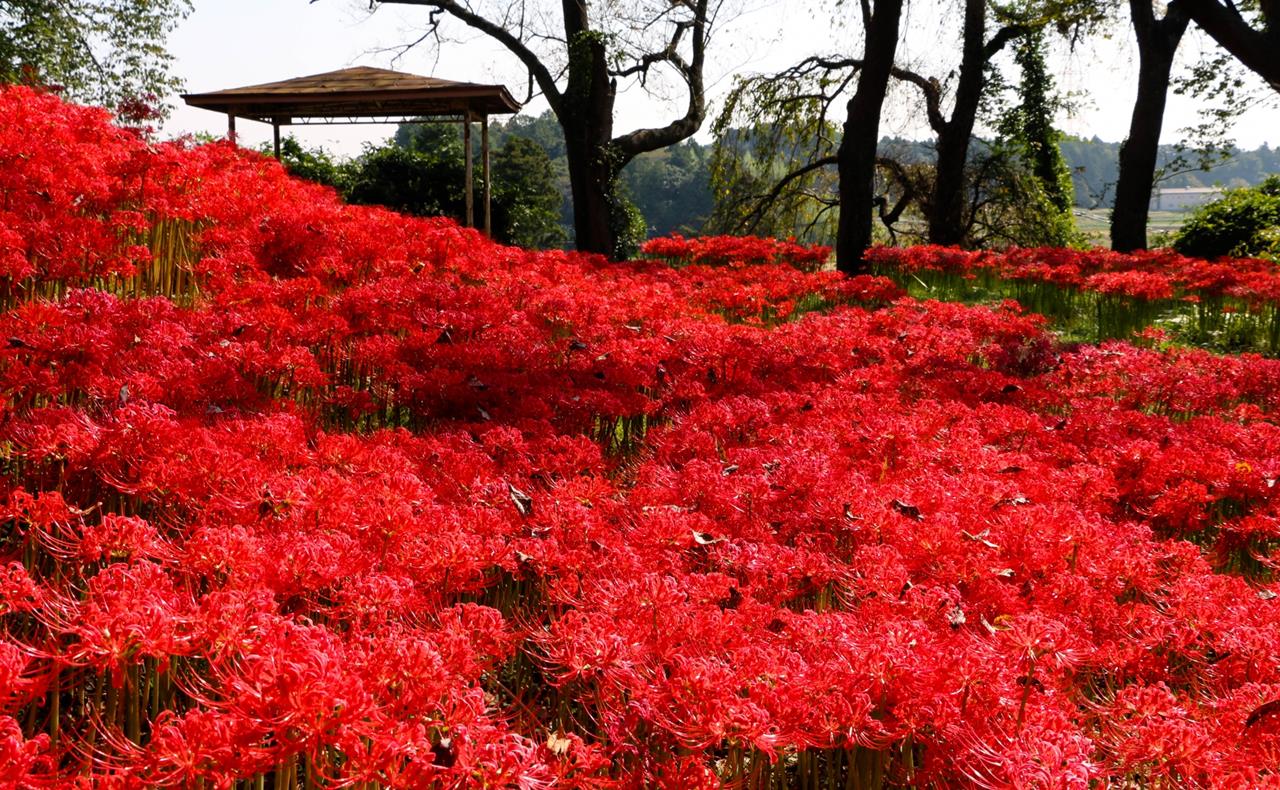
(1244, 223)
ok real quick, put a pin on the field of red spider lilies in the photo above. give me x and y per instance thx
(303, 495)
(1232, 305)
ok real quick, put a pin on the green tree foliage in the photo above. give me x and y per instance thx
(544, 131)
(313, 164)
(409, 180)
(671, 188)
(422, 172)
(1243, 223)
(108, 52)
(526, 209)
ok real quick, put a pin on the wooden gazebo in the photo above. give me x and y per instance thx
(368, 95)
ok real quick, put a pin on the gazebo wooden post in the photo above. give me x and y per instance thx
(488, 190)
(275, 131)
(231, 127)
(470, 169)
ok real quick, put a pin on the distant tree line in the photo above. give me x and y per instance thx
(1094, 166)
(420, 171)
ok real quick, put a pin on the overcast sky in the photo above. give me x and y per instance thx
(230, 43)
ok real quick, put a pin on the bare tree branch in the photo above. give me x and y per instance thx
(908, 192)
(537, 69)
(929, 86)
(1256, 49)
(635, 143)
(1002, 37)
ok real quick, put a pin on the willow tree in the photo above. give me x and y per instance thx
(575, 53)
(819, 116)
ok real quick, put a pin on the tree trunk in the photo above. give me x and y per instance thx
(586, 114)
(592, 187)
(584, 108)
(858, 148)
(947, 222)
(1157, 43)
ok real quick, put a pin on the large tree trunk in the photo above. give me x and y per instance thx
(947, 221)
(591, 182)
(1157, 43)
(586, 114)
(857, 154)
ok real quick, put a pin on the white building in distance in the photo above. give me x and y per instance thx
(1183, 198)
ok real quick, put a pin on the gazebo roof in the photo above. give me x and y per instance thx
(359, 92)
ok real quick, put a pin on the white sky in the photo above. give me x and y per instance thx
(230, 43)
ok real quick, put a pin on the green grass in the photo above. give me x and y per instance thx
(1095, 224)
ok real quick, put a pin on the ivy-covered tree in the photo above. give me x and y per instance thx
(1028, 131)
(108, 52)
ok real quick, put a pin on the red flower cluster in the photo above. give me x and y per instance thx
(736, 251)
(363, 500)
(1232, 304)
(1148, 275)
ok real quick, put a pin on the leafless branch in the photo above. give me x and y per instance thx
(540, 73)
(698, 27)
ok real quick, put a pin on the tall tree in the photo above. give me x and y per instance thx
(948, 219)
(577, 66)
(526, 202)
(858, 146)
(1033, 173)
(1158, 40)
(775, 173)
(1036, 133)
(108, 52)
